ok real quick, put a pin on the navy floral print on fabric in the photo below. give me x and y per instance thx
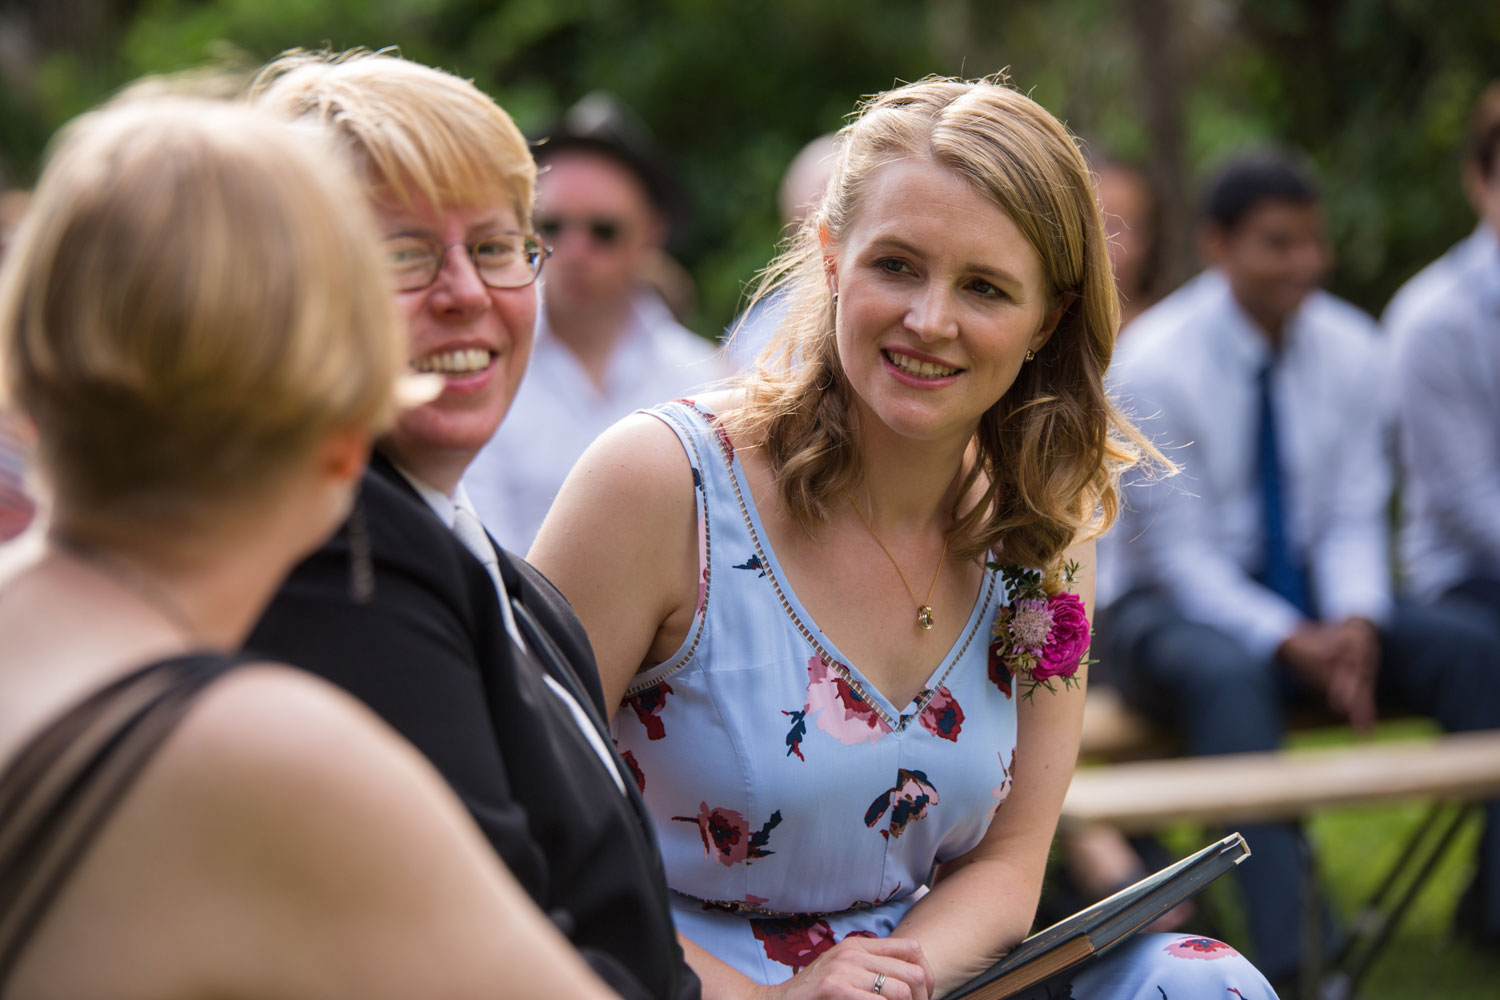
(907, 802)
(753, 564)
(726, 835)
(943, 717)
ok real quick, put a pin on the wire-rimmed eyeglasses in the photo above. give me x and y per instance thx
(505, 260)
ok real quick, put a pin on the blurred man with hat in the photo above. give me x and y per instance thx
(606, 343)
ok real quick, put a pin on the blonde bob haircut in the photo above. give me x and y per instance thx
(1047, 454)
(195, 300)
(410, 128)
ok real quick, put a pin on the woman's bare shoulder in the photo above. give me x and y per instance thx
(277, 757)
(283, 817)
(640, 463)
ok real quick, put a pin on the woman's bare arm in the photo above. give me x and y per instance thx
(621, 544)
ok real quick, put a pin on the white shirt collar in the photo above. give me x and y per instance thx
(1250, 344)
(441, 503)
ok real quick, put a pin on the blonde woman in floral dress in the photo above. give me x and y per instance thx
(795, 587)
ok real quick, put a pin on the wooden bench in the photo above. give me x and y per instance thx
(1455, 772)
(1143, 796)
(1114, 731)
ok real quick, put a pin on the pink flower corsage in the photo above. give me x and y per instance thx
(1043, 633)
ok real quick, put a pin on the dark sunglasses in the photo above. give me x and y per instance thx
(603, 231)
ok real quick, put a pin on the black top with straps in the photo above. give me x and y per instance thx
(60, 789)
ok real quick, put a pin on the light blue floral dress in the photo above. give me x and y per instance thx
(794, 804)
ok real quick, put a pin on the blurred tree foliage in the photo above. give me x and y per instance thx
(1376, 92)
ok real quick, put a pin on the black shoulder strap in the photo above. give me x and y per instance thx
(60, 788)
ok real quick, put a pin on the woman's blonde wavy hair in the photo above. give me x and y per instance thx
(195, 300)
(1051, 449)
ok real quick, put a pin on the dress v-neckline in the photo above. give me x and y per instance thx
(792, 605)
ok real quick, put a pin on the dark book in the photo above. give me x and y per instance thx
(1091, 932)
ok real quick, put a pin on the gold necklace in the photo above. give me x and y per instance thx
(924, 607)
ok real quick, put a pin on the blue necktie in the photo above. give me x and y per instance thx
(1281, 570)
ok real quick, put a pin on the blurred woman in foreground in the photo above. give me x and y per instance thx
(195, 319)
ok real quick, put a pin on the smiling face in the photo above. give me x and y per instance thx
(478, 338)
(1274, 258)
(940, 298)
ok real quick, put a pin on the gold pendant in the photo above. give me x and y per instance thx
(924, 616)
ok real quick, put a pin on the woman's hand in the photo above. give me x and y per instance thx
(850, 969)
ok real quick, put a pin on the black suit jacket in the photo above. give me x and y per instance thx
(430, 654)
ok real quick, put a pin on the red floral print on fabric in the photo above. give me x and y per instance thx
(648, 705)
(1000, 674)
(724, 438)
(635, 771)
(793, 941)
(840, 710)
(1199, 947)
(943, 717)
(907, 802)
(726, 835)
(1003, 791)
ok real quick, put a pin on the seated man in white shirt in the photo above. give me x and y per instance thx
(1444, 326)
(1260, 575)
(606, 344)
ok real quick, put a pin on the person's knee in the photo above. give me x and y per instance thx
(1444, 659)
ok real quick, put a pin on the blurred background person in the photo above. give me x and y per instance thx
(17, 506)
(188, 318)
(800, 191)
(1098, 859)
(1133, 220)
(606, 342)
(1263, 579)
(1445, 326)
(461, 646)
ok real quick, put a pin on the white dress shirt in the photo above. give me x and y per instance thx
(558, 411)
(1188, 374)
(447, 508)
(1444, 326)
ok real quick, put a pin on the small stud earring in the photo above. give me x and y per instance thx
(835, 298)
(1031, 355)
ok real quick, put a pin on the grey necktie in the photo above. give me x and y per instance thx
(469, 531)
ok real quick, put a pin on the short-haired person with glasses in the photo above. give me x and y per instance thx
(462, 647)
(186, 319)
(606, 343)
